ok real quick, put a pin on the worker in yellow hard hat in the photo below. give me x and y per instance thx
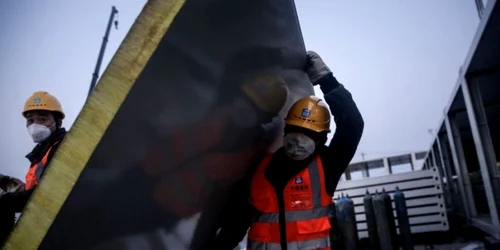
(44, 116)
(288, 196)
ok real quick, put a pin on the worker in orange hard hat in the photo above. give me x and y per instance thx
(44, 116)
(285, 200)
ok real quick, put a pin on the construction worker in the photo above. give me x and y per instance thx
(44, 117)
(286, 199)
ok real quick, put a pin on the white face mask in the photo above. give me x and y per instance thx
(298, 146)
(39, 132)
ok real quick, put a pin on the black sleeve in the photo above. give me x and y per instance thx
(51, 154)
(15, 202)
(235, 226)
(349, 128)
(238, 214)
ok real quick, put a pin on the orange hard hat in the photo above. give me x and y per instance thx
(310, 113)
(42, 100)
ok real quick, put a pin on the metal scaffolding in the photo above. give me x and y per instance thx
(466, 133)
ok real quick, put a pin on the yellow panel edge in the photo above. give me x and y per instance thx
(95, 117)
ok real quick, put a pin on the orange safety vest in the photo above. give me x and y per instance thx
(35, 172)
(306, 206)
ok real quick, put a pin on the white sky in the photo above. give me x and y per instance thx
(399, 59)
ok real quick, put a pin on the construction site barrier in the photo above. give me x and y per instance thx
(382, 230)
(423, 195)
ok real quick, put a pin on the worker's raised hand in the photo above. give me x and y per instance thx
(315, 67)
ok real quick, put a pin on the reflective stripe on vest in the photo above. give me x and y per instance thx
(321, 243)
(36, 170)
(307, 224)
(295, 215)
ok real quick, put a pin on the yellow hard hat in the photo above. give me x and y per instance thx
(42, 100)
(269, 93)
(310, 113)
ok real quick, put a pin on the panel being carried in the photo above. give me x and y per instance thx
(423, 193)
(176, 119)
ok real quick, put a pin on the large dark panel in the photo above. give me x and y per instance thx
(182, 137)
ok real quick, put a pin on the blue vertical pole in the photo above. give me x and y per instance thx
(370, 221)
(347, 220)
(403, 221)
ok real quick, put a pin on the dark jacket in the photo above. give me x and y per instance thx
(239, 213)
(12, 203)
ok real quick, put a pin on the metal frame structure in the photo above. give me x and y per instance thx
(482, 60)
(387, 163)
(423, 192)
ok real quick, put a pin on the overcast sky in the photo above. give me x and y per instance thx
(399, 58)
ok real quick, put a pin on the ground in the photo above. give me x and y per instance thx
(476, 245)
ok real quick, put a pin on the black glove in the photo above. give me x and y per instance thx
(5, 202)
(15, 201)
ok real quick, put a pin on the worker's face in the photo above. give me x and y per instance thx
(41, 117)
(299, 143)
(40, 124)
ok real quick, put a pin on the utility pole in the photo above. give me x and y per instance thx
(95, 75)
